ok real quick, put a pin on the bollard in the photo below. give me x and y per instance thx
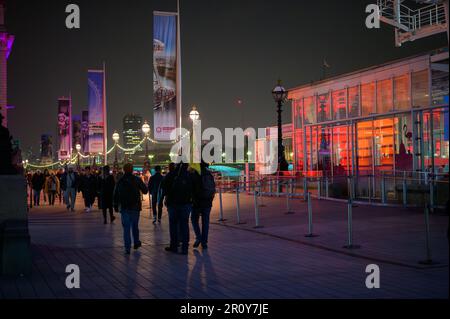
(310, 223)
(238, 206)
(404, 192)
(305, 188)
(326, 187)
(383, 189)
(255, 197)
(260, 194)
(288, 198)
(221, 219)
(350, 226)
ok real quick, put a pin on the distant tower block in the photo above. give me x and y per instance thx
(6, 42)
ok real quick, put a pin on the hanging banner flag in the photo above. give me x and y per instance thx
(96, 104)
(46, 148)
(64, 128)
(165, 62)
(85, 132)
(76, 130)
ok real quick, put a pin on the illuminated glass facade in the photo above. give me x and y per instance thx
(132, 132)
(389, 119)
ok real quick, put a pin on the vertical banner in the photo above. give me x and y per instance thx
(165, 62)
(64, 128)
(76, 130)
(46, 148)
(85, 132)
(96, 104)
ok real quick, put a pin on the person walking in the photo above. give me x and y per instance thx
(202, 205)
(52, 186)
(69, 185)
(59, 175)
(46, 176)
(127, 199)
(88, 188)
(106, 191)
(154, 191)
(37, 182)
(179, 188)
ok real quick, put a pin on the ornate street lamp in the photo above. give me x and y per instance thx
(194, 115)
(78, 148)
(146, 131)
(115, 138)
(280, 95)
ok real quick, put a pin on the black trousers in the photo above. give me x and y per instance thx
(156, 207)
(51, 197)
(111, 212)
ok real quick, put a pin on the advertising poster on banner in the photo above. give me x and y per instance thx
(64, 128)
(85, 132)
(76, 130)
(96, 111)
(164, 75)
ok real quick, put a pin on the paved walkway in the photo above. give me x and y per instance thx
(276, 261)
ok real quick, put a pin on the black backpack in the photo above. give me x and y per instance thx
(208, 185)
(181, 191)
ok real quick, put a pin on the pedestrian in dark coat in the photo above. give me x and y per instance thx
(88, 188)
(106, 190)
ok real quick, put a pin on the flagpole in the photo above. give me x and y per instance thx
(179, 87)
(105, 129)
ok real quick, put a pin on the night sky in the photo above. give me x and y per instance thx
(231, 50)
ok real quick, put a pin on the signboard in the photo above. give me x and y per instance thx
(64, 128)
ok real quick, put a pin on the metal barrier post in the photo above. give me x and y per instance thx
(278, 186)
(319, 187)
(238, 205)
(270, 187)
(326, 187)
(369, 187)
(221, 219)
(383, 188)
(288, 197)
(310, 223)
(431, 193)
(305, 188)
(350, 226)
(429, 260)
(405, 198)
(260, 193)
(255, 198)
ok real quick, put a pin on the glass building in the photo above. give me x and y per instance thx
(132, 132)
(387, 121)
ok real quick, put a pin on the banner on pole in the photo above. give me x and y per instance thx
(64, 128)
(165, 60)
(85, 132)
(96, 104)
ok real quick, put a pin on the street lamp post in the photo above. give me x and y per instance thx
(115, 138)
(280, 95)
(146, 131)
(78, 148)
(194, 115)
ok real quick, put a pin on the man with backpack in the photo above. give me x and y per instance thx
(202, 205)
(179, 188)
(127, 197)
(155, 194)
(51, 188)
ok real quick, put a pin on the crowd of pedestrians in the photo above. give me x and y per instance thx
(187, 194)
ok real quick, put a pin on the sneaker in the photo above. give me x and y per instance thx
(197, 243)
(138, 245)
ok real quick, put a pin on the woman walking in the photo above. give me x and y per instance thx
(107, 185)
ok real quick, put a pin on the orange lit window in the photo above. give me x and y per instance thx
(384, 96)
(368, 98)
(339, 99)
(401, 92)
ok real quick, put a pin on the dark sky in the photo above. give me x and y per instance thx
(231, 49)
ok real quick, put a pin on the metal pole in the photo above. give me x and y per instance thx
(310, 223)
(255, 198)
(319, 187)
(350, 226)
(405, 198)
(326, 187)
(221, 219)
(432, 193)
(238, 205)
(305, 188)
(270, 187)
(288, 197)
(429, 260)
(383, 188)
(369, 187)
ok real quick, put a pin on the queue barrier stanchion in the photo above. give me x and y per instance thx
(305, 188)
(319, 188)
(327, 187)
(221, 219)
(238, 206)
(288, 198)
(260, 193)
(255, 198)
(310, 222)
(350, 244)
(404, 191)
(431, 208)
(428, 260)
(383, 188)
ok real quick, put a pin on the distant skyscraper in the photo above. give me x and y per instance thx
(132, 131)
(6, 42)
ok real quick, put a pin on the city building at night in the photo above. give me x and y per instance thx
(132, 132)
(388, 120)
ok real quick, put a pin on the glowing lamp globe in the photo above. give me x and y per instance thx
(146, 128)
(194, 115)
